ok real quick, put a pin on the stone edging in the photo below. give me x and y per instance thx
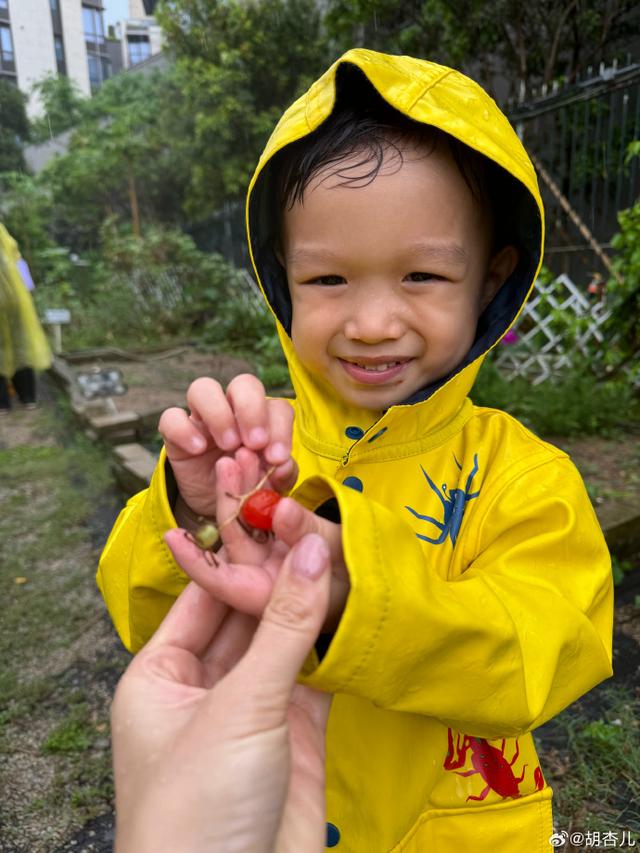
(133, 464)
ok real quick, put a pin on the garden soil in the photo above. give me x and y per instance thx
(611, 467)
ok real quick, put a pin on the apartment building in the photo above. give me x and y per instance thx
(139, 35)
(43, 37)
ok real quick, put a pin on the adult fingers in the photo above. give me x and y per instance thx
(315, 704)
(192, 621)
(183, 436)
(292, 521)
(246, 395)
(228, 645)
(208, 404)
(287, 631)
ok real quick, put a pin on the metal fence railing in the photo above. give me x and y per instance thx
(580, 134)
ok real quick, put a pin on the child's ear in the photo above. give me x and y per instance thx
(501, 265)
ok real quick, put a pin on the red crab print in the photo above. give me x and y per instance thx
(490, 764)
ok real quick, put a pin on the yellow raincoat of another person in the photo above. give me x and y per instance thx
(23, 344)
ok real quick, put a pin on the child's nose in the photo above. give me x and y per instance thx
(374, 320)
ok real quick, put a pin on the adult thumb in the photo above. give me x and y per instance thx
(288, 629)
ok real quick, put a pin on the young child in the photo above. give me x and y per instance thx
(396, 230)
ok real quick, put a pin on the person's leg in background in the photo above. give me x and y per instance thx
(24, 381)
(5, 402)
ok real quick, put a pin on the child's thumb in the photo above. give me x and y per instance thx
(288, 629)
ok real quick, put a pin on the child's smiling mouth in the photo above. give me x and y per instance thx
(375, 371)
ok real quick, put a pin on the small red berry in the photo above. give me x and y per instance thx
(257, 511)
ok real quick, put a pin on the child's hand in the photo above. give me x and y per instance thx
(220, 423)
(246, 569)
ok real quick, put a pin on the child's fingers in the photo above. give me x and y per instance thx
(183, 437)
(284, 477)
(246, 395)
(208, 403)
(278, 450)
(281, 479)
(250, 470)
(232, 481)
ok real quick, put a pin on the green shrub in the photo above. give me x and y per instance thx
(140, 290)
(576, 404)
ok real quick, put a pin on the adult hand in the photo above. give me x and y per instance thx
(220, 422)
(246, 569)
(215, 747)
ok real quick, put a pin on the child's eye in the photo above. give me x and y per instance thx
(326, 279)
(423, 276)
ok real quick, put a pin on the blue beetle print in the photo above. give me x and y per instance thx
(454, 502)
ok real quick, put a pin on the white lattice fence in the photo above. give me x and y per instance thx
(543, 347)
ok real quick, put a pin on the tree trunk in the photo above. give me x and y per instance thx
(133, 201)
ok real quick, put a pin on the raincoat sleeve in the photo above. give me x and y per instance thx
(496, 651)
(137, 574)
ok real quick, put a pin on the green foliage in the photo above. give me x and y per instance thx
(134, 291)
(623, 291)
(122, 161)
(239, 64)
(598, 778)
(71, 735)
(26, 211)
(577, 404)
(535, 42)
(14, 127)
(271, 364)
(62, 103)
(619, 568)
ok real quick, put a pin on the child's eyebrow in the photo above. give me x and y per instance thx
(447, 252)
(312, 254)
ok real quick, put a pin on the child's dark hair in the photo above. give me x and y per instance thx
(365, 130)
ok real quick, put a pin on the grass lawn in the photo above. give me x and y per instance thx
(59, 658)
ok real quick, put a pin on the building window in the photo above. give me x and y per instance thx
(60, 60)
(6, 46)
(93, 28)
(99, 70)
(4, 4)
(52, 3)
(139, 49)
(95, 71)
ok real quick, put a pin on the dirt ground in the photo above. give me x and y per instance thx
(610, 466)
(157, 381)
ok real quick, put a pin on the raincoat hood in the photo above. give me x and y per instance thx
(446, 99)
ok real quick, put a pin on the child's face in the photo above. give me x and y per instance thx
(388, 280)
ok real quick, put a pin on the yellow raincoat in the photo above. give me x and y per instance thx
(23, 342)
(481, 592)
